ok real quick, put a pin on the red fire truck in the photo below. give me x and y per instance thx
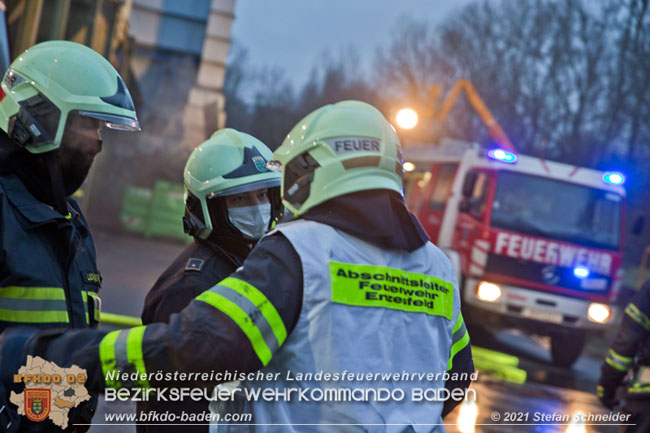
(537, 245)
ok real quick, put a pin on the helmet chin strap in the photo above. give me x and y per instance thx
(56, 181)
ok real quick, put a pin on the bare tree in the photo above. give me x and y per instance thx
(545, 69)
(275, 106)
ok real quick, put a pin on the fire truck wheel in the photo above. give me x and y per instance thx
(567, 347)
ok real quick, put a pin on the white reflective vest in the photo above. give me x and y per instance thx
(371, 319)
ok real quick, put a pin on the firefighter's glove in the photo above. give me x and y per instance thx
(607, 397)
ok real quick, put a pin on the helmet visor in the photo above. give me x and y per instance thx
(252, 186)
(114, 121)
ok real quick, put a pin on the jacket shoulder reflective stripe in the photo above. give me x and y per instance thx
(241, 318)
(260, 301)
(252, 312)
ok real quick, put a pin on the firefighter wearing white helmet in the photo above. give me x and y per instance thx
(351, 287)
(231, 200)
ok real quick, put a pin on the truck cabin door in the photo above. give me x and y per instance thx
(474, 212)
(428, 199)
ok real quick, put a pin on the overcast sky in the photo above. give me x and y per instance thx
(293, 34)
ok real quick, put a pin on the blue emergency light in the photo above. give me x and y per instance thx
(581, 272)
(502, 156)
(614, 177)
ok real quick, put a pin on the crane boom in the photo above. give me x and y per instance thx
(493, 127)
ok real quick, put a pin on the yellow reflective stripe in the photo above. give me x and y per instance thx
(623, 359)
(639, 389)
(134, 353)
(19, 292)
(107, 357)
(242, 320)
(459, 322)
(460, 345)
(460, 339)
(638, 316)
(31, 316)
(615, 364)
(262, 303)
(33, 305)
(84, 297)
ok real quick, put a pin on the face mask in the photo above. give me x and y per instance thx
(252, 221)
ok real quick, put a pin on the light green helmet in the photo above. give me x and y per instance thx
(52, 80)
(229, 162)
(338, 149)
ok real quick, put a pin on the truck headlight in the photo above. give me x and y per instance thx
(488, 292)
(598, 313)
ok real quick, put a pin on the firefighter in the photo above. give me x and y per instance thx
(232, 199)
(630, 353)
(351, 287)
(55, 99)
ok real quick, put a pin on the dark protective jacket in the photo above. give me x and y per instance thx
(199, 267)
(630, 352)
(48, 273)
(205, 341)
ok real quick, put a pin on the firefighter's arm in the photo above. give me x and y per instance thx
(236, 325)
(634, 328)
(461, 363)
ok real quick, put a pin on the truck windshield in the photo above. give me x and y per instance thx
(559, 210)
